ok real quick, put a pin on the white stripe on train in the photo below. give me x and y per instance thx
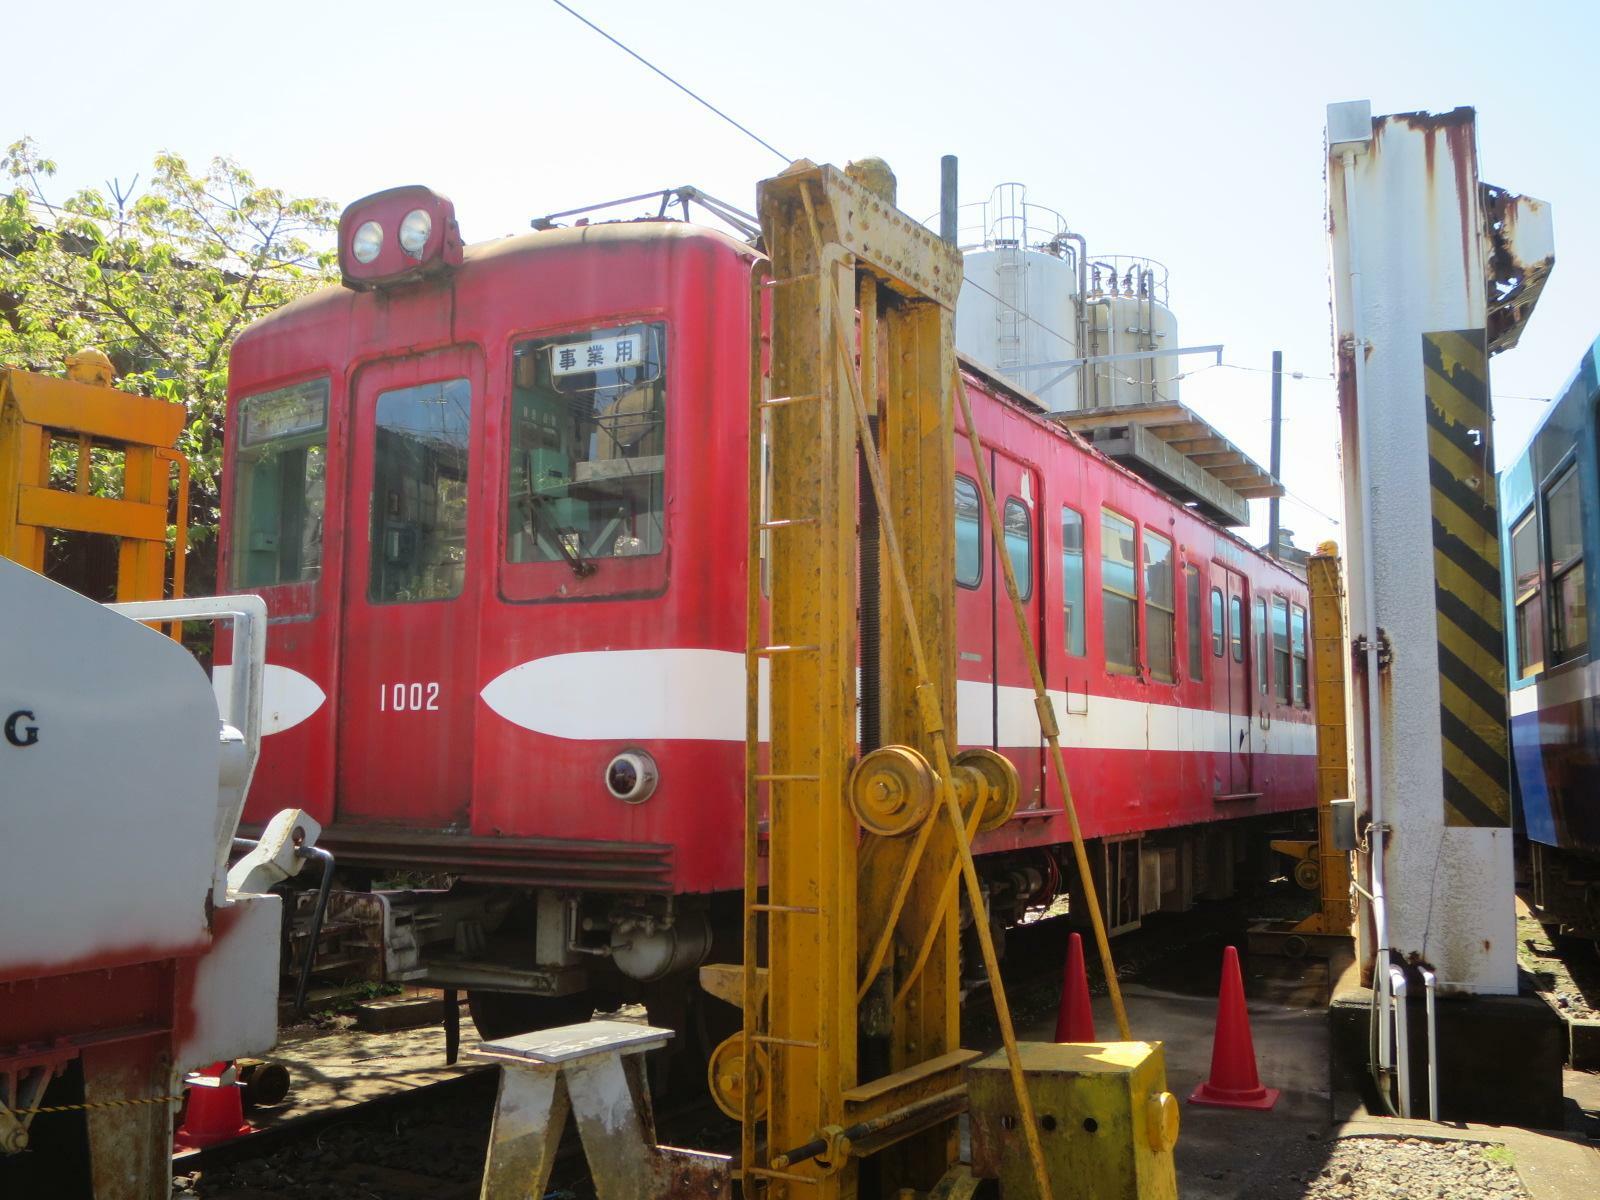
(676, 694)
(1551, 691)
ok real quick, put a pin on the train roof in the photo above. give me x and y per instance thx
(1582, 384)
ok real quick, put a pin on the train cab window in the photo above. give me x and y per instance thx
(1297, 642)
(279, 479)
(1263, 646)
(1019, 544)
(588, 447)
(419, 492)
(1569, 617)
(1280, 648)
(1236, 627)
(1529, 606)
(1193, 616)
(969, 534)
(1219, 637)
(1118, 593)
(1072, 579)
(1160, 621)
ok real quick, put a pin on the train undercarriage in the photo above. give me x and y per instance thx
(535, 956)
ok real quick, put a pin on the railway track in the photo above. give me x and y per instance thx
(429, 1143)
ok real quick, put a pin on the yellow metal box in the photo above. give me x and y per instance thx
(1106, 1119)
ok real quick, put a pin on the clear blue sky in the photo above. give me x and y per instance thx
(1191, 133)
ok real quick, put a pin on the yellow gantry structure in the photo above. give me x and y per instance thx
(848, 1074)
(136, 436)
(851, 1041)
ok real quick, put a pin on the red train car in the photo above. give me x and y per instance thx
(495, 499)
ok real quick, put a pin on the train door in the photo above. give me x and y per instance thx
(408, 694)
(1016, 491)
(974, 609)
(1237, 664)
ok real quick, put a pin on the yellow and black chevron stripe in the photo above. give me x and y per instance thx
(1466, 573)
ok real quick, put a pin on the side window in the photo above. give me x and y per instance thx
(969, 534)
(1192, 612)
(419, 492)
(1072, 579)
(1569, 615)
(1118, 593)
(1263, 655)
(1527, 593)
(1280, 647)
(1019, 544)
(1236, 627)
(1219, 636)
(1159, 604)
(1297, 634)
(280, 474)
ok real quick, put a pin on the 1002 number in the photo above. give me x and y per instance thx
(408, 697)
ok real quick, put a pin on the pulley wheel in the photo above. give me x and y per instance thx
(892, 790)
(1000, 775)
(1308, 874)
(726, 1075)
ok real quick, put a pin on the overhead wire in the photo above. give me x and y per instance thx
(697, 98)
(1105, 373)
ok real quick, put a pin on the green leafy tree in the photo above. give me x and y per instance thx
(162, 281)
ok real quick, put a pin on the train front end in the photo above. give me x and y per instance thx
(474, 487)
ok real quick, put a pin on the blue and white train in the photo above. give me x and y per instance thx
(1550, 537)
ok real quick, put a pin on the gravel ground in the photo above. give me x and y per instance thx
(1567, 975)
(1369, 1168)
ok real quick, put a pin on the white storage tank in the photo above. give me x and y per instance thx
(1125, 312)
(1032, 299)
(1018, 309)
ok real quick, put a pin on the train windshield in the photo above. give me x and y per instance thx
(280, 476)
(588, 449)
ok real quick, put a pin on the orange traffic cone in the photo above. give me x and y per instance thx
(1075, 1019)
(1233, 1082)
(214, 1111)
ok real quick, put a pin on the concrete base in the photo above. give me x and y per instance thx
(1584, 1054)
(1500, 1057)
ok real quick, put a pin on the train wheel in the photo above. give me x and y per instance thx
(1308, 874)
(503, 1014)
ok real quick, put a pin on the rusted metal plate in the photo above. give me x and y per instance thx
(1522, 253)
(910, 256)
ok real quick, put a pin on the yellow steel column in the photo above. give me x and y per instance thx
(916, 443)
(811, 648)
(1333, 776)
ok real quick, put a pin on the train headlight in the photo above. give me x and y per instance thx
(367, 242)
(632, 776)
(415, 231)
(398, 237)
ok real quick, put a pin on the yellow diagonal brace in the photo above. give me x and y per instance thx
(1041, 696)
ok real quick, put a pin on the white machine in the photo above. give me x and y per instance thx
(128, 955)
